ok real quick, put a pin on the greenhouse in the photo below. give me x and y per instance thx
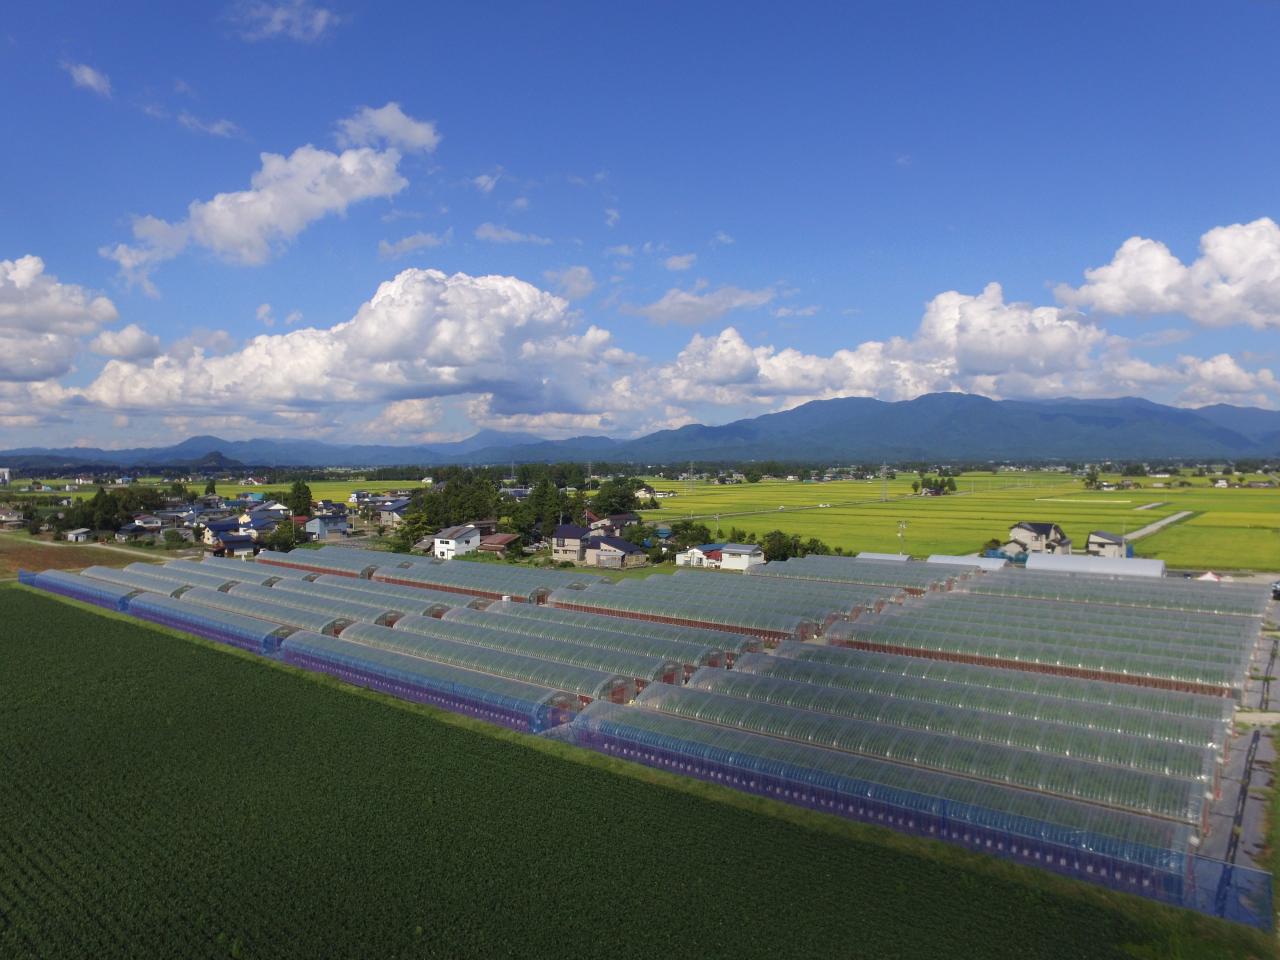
(1234, 599)
(492, 581)
(389, 603)
(585, 684)
(810, 598)
(221, 626)
(1066, 835)
(690, 656)
(390, 592)
(201, 575)
(137, 580)
(1055, 771)
(280, 613)
(912, 577)
(1157, 742)
(734, 644)
(758, 619)
(1173, 668)
(852, 669)
(510, 703)
(334, 606)
(642, 669)
(231, 567)
(214, 580)
(350, 563)
(100, 593)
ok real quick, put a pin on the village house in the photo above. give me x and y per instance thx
(721, 556)
(79, 535)
(322, 527)
(498, 543)
(1036, 537)
(566, 543)
(613, 553)
(11, 519)
(1102, 544)
(455, 542)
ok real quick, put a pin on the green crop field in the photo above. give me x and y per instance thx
(1232, 529)
(162, 797)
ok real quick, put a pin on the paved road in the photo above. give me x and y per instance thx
(1151, 528)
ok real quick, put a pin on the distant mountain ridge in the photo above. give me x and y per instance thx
(939, 426)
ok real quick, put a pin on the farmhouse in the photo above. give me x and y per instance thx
(1103, 544)
(79, 535)
(566, 543)
(613, 553)
(324, 527)
(721, 556)
(1036, 537)
(10, 519)
(610, 525)
(391, 512)
(498, 543)
(455, 541)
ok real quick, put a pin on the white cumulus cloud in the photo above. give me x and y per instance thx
(87, 78)
(693, 307)
(42, 320)
(682, 261)
(299, 20)
(390, 126)
(128, 343)
(414, 241)
(573, 283)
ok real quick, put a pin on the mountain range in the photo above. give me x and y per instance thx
(938, 426)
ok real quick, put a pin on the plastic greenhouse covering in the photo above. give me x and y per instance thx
(1027, 765)
(135, 580)
(835, 666)
(906, 797)
(334, 606)
(194, 578)
(1185, 666)
(352, 563)
(477, 579)
(910, 701)
(98, 592)
(891, 573)
(639, 667)
(754, 618)
(279, 613)
(442, 598)
(483, 574)
(231, 567)
(1112, 736)
(1238, 599)
(304, 589)
(816, 599)
(511, 703)
(734, 643)
(687, 655)
(208, 576)
(223, 626)
(584, 683)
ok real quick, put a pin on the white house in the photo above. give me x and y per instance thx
(721, 556)
(455, 541)
(79, 535)
(1103, 544)
(1037, 537)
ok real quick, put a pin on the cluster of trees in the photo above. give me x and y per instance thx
(936, 485)
(110, 509)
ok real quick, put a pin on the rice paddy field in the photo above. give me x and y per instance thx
(1229, 529)
(164, 797)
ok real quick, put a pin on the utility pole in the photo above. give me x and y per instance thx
(884, 482)
(902, 536)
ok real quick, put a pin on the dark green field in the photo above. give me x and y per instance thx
(163, 798)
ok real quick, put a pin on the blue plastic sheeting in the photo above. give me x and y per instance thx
(510, 703)
(237, 630)
(97, 592)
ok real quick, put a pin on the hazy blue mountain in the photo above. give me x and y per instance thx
(939, 426)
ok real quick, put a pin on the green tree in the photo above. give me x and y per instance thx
(210, 487)
(615, 496)
(777, 545)
(298, 499)
(753, 474)
(283, 538)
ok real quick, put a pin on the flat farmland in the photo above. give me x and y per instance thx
(1231, 529)
(19, 552)
(162, 797)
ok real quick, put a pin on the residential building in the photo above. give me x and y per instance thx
(79, 535)
(1102, 544)
(4, 476)
(611, 525)
(322, 527)
(11, 519)
(1036, 537)
(498, 543)
(721, 556)
(566, 543)
(235, 545)
(613, 553)
(391, 512)
(455, 542)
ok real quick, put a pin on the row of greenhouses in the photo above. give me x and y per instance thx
(342, 608)
(1122, 773)
(499, 700)
(689, 655)
(1091, 704)
(423, 602)
(817, 599)
(915, 578)
(299, 618)
(734, 644)
(641, 668)
(585, 683)
(1162, 744)
(100, 593)
(1079, 654)
(1235, 599)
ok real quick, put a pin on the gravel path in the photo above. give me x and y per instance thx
(1151, 528)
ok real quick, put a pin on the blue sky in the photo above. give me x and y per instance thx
(360, 221)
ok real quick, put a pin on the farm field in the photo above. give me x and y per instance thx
(19, 551)
(163, 797)
(1233, 529)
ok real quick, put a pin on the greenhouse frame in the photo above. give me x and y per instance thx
(1143, 855)
(137, 580)
(391, 603)
(1042, 761)
(914, 578)
(390, 592)
(279, 613)
(509, 703)
(100, 593)
(1224, 599)
(689, 656)
(222, 626)
(331, 604)
(586, 684)
(192, 575)
(642, 669)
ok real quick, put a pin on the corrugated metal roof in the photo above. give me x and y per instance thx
(1108, 566)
